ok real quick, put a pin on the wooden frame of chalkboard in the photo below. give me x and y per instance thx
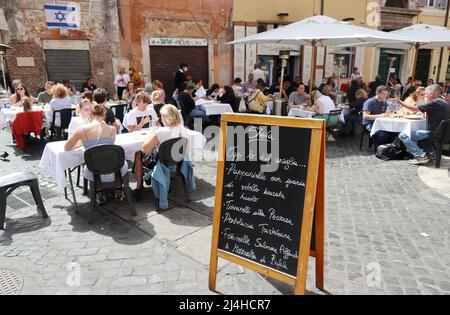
(313, 206)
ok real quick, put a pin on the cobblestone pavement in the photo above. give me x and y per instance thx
(381, 217)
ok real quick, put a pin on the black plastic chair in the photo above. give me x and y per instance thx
(171, 153)
(11, 182)
(120, 110)
(66, 117)
(365, 132)
(441, 137)
(188, 120)
(103, 160)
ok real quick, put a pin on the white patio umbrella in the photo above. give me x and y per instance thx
(318, 31)
(418, 36)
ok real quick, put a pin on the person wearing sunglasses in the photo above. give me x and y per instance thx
(21, 92)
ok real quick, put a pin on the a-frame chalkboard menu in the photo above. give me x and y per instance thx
(270, 197)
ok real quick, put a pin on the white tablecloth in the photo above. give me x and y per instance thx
(269, 108)
(3, 102)
(398, 125)
(297, 112)
(55, 160)
(214, 108)
(7, 115)
(76, 99)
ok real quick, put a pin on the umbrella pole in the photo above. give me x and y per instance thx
(312, 77)
(416, 56)
(281, 82)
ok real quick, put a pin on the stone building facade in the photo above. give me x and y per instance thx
(158, 35)
(33, 42)
(253, 16)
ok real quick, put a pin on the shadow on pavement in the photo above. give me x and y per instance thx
(15, 226)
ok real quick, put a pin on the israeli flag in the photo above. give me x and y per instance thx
(62, 16)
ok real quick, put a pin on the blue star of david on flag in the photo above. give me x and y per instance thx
(62, 16)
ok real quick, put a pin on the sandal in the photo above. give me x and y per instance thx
(100, 199)
(120, 195)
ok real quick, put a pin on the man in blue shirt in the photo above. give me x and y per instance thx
(188, 107)
(374, 108)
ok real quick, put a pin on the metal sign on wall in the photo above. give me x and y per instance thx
(174, 41)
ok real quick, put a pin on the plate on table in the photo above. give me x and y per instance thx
(142, 136)
(413, 117)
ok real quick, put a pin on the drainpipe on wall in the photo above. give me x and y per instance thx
(322, 7)
(441, 55)
(119, 15)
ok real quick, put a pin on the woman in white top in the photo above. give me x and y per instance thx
(324, 104)
(129, 92)
(174, 128)
(121, 80)
(84, 116)
(143, 116)
(21, 92)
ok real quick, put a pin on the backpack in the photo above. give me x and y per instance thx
(392, 151)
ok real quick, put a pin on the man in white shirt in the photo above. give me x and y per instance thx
(142, 117)
(356, 74)
(258, 73)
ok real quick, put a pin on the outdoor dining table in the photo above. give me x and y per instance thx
(112, 104)
(213, 107)
(55, 161)
(7, 115)
(298, 112)
(76, 99)
(4, 102)
(399, 125)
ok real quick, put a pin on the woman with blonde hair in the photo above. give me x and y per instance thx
(414, 99)
(158, 86)
(93, 134)
(157, 103)
(120, 81)
(61, 100)
(84, 115)
(173, 128)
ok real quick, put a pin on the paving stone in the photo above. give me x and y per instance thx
(128, 282)
(368, 220)
(174, 224)
(198, 246)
